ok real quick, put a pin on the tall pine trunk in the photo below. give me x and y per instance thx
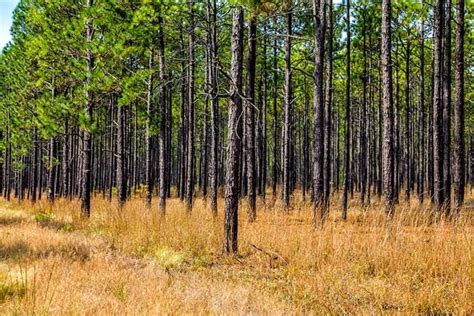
(148, 134)
(459, 147)
(319, 14)
(347, 171)
(408, 175)
(387, 148)
(191, 103)
(163, 154)
(421, 145)
(446, 88)
(121, 159)
(287, 108)
(87, 137)
(438, 141)
(250, 118)
(213, 166)
(233, 138)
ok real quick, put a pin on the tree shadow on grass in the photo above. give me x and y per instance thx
(5, 221)
(20, 249)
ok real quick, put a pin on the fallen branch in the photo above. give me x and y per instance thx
(272, 254)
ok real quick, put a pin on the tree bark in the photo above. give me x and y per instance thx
(459, 147)
(438, 194)
(234, 139)
(250, 118)
(87, 140)
(148, 134)
(319, 14)
(213, 166)
(275, 166)
(190, 138)
(328, 108)
(163, 155)
(408, 175)
(421, 152)
(362, 131)
(446, 87)
(287, 108)
(387, 148)
(121, 163)
(347, 171)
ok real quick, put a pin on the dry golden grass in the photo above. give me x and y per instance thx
(131, 261)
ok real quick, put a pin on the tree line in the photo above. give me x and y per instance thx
(246, 99)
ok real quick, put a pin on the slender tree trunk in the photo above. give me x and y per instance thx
(121, 170)
(387, 150)
(459, 151)
(429, 130)
(87, 140)
(328, 109)
(319, 14)
(34, 181)
(262, 178)
(421, 152)
(250, 118)
(287, 108)
(148, 134)
(397, 124)
(306, 144)
(438, 195)
(363, 137)
(347, 171)
(183, 125)
(446, 88)
(275, 166)
(190, 138)
(213, 166)
(234, 139)
(408, 175)
(163, 155)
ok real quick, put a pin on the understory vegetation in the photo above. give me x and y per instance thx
(131, 260)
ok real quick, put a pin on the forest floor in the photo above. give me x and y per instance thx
(133, 262)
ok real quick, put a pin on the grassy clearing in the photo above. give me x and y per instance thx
(132, 261)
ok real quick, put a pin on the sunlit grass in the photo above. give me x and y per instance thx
(132, 260)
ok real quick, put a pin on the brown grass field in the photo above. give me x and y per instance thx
(131, 261)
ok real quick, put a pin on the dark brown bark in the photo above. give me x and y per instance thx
(250, 119)
(148, 134)
(191, 104)
(234, 139)
(408, 175)
(34, 181)
(163, 154)
(213, 166)
(319, 17)
(328, 107)
(459, 150)
(421, 123)
(121, 163)
(446, 91)
(362, 131)
(305, 172)
(438, 165)
(347, 120)
(51, 169)
(183, 124)
(87, 137)
(275, 165)
(262, 125)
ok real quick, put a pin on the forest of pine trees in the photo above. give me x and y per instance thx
(255, 99)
